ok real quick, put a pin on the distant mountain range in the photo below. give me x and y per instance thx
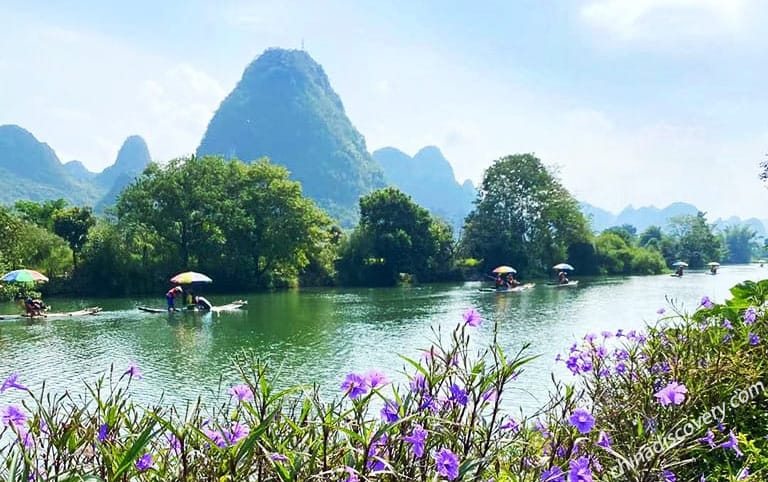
(284, 108)
(30, 169)
(429, 179)
(644, 217)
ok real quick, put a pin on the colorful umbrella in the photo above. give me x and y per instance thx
(189, 277)
(679, 263)
(563, 266)
(504, 269)
(23, 276)
(713, 263)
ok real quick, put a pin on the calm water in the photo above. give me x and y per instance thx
(320, 335)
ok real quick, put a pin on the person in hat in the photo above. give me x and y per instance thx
(170, 296)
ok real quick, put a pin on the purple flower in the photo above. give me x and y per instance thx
(732, 443)
(582, 420)
(242, 391)
(25, 438)
(418, 383)
(390, 411)
(511, 425)
(709, 438)
(276, 457)
(603, 440)
(672, 394)
(472, 317)
(351, 474)
(173, 443)
(727, 324)
(236, 433)
(621, 367)
(447, 464)
(429, 403)
(144, 462)
(750, 315)
(661, 311)
(374, 453)
(103, 430)
(215, 437)
(11, 382)
(753, 339)
(706, 302)
(458, 395)
(601, 351)
(743, 474)
(133, 371)
(417, 438)
(579, 471)
(541, 428)
(12, 415)
(489, 395)
(553, 475)
(375, 378)
(668, 475)
(607, 334)
(354, 385)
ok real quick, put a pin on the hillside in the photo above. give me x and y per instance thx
(30, 169)
(131, 160)
(284, 108)
(429, 179)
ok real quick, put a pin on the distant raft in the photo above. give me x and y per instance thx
(84, 312)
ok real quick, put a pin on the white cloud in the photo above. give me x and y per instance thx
(657, 20)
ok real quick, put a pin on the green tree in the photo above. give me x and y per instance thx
(739, 243)
(246, 225)
(42, 213)
(696, 242)
(72, 225)
(650, 233)
(523, 216)
(395, 236)
(627, 232)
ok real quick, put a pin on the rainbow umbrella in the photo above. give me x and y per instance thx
(23, 276)
(189, 277)
(504, 269)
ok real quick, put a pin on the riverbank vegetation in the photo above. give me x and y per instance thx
(683, 400)
(250, 227)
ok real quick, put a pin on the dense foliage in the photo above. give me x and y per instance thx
(248, 226)
(284, 108)
(523, 216)
(395, 236)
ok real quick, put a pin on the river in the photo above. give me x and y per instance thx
(319, 335)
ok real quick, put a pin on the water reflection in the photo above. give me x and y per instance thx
(319, 335)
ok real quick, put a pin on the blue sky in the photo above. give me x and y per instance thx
(641, 102)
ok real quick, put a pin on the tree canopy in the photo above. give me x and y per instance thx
(523, 216)
(395, 236)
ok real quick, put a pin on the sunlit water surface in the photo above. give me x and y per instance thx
(319, 335)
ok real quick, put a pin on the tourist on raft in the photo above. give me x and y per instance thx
(511, 281)
(563, 277)
(33, 306)
(171, 295)
(202, 304)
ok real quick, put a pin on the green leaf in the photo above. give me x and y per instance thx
(134, 452)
